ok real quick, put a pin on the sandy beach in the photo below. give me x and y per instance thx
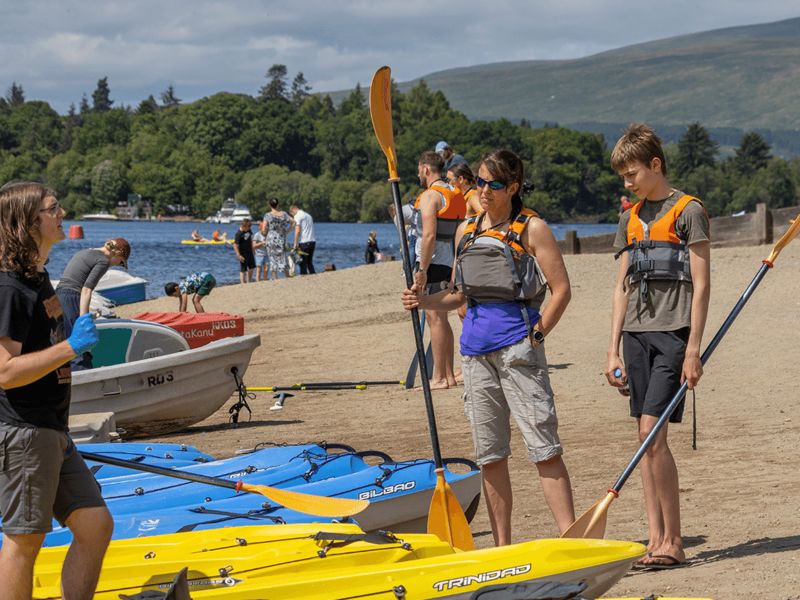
(740, 489)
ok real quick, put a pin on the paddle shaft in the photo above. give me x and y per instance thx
(676, 400)
(349, 383)
(423, 368)
(309, 388)
(118, 462)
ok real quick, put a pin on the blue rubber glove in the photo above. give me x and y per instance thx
(84, 334)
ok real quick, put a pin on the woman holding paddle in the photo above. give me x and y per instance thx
(502, 254)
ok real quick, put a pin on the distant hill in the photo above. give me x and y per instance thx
(739, 78)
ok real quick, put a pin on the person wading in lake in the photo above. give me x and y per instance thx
(42, 475)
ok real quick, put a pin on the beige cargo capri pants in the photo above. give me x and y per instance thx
(510, 381)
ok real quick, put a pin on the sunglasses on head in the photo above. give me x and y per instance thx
(493, 185)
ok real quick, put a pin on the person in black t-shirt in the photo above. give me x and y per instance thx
(243, 246)
(41, 473)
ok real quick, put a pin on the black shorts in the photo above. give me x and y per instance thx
(248, 263)
(42, 476)
(654, 362)
(438, 278)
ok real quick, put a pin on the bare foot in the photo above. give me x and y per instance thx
(459, 377)
(665, 555)
(435, 385)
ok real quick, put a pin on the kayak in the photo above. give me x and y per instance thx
(338, 561)
(206, 242)
(162, 455)
(399, 494)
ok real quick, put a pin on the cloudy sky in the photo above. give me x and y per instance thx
(58, 49)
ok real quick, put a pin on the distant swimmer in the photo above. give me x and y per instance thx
(198, 285)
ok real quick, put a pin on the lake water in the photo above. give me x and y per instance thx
(159, 257)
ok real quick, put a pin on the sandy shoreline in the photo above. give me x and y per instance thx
(740, 490)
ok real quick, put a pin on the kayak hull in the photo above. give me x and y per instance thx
(315, 562)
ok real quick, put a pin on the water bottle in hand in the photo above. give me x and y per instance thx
(625, 390)
(84, 334)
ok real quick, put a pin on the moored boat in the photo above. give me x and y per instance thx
(121, 287)
(165, 393)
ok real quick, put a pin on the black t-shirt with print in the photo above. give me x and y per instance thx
(31, 314)
(244, 241)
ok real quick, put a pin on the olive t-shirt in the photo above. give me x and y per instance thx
(669, 303)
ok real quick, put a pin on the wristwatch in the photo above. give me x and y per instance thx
(538, 337)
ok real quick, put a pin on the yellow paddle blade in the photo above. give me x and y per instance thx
(308, 503)
(446, 519)
(592, 523)
(380, 109)
(788, 236)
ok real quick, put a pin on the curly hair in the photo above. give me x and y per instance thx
(20, 203)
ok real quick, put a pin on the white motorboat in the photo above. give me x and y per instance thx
(240, 213)
(165, 393)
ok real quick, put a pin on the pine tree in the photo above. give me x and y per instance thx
(101, 98)
(15, 95)
(168, 97)
(276, 84)
(84, 106)
(752, 153)
(300, 88)
(148, 105)
(695, 149)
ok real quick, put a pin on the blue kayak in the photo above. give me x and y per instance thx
(162, 455)
(399, 494)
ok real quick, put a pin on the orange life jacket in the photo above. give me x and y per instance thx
(656, 252)
(468, 195)
(449, 216)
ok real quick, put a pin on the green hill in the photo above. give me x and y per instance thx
(741, 77)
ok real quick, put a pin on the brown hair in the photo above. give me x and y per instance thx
(506, 167)
(462, 170)
(639, 143)
(20, 203)
(432, 160)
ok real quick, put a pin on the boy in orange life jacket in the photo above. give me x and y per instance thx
(659, 312)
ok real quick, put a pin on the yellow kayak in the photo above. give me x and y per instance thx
(206, 242)
(336, 561)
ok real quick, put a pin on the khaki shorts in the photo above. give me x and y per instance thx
(41, 476)
(510, 381)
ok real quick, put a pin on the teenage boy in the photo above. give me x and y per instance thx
(659, 312)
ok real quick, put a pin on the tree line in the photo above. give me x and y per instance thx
(185, 158)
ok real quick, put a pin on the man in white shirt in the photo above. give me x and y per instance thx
(304, 239)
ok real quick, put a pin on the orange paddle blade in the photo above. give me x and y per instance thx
(592, 523)
(446, 518)
(788, 236)
(308, 503)
(380, 109)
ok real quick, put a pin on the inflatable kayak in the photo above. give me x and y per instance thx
(206, 242)
(337, 561)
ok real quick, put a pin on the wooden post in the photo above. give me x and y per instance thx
(762, 222)
(572, 244)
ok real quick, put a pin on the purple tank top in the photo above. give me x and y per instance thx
(492, 326)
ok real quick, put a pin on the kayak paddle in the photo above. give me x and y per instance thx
(305, 503)
(446, 519)
(592, 524)
(297, 387)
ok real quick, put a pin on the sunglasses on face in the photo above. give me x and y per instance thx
(52, 210)
(493, 185)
